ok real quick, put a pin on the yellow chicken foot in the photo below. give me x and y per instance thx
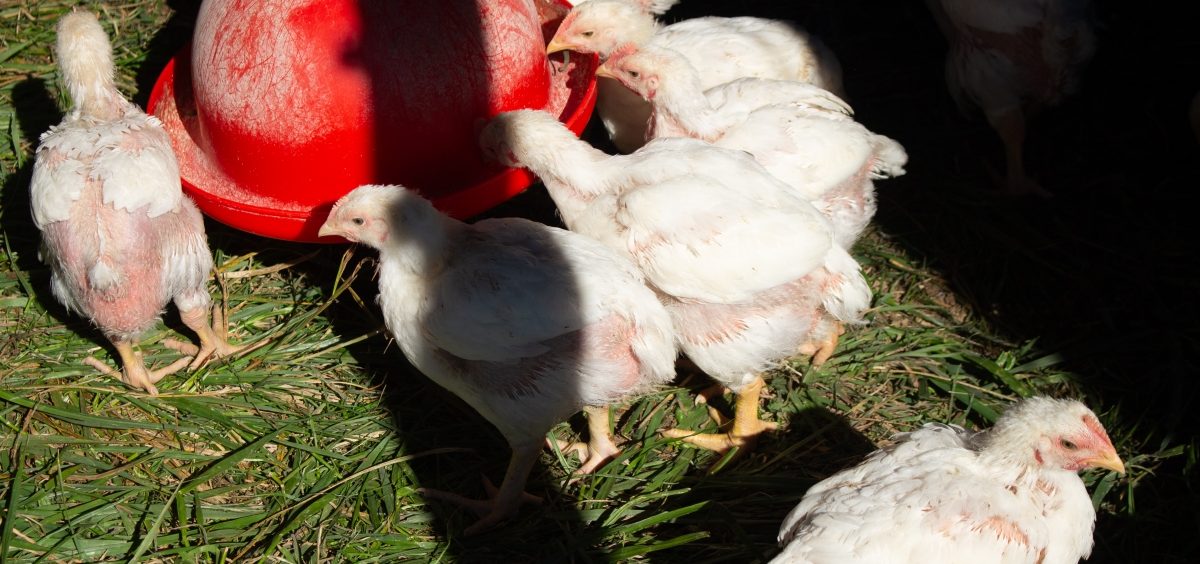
(599, 449)
(133, 369)
(705, 397)
(212, 343)
(820, 351)
(745, 429)
(503, 503)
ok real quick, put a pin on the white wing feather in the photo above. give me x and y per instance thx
(925, 499)
(471, 321)
(698, 239)
(131, 157)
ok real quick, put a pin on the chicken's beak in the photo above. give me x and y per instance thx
(327, 231)
(556, 46)
(1110, 461)
(605, 72)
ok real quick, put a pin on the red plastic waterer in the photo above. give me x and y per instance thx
(280, 107)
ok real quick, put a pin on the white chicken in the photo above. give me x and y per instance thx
(526, 323)
(724, 49)
(120, 237)
(748, 271)
(800, 133)
(1010, 494)
(1012, 58)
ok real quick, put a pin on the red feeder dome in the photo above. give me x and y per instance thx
(280, 107)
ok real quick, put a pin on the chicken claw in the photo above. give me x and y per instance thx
(133, 369)
(599, 449)
(213, 343)
(502, 503)
(821, 350)
(745, 428)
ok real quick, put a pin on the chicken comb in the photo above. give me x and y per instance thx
(566, 21)
(625, 50)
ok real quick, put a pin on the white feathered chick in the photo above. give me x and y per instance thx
(526, 323)
(1010, 494)
(800, 133)
(119, 235)
(748, 271)
(724, 49)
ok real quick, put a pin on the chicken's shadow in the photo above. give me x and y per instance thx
(747, 500)
(36, 110)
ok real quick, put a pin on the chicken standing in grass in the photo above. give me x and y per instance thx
(1010, 494)
(800, 133)
(527, 323)
(120, 237)
(748, 271)
(724, 49)
(1012, 58)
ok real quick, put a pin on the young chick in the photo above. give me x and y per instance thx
(724, 48)
(525, 322)
(940, 494)
(800, 133)
(120, 237)
(748, 271)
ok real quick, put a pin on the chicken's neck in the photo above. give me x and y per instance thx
(87, 71)
(683, 111)
(420, 239)
(574, 172)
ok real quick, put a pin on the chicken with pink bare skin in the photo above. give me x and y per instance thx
(748, 271)
(800, 133)
(1009, 494)
(119, 235)
(725, 49)
(526, 323)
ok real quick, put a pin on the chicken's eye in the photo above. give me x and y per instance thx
(1067, 444)
(588, 33)
(358, 221)
(634, 74)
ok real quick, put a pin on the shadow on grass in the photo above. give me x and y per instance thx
(748, 499)
(1101, 273)
(36, 110)
(166, 42)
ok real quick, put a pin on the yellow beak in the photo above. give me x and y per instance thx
(327, 231)
(605, 72)
(556, 46)
(1110, 461)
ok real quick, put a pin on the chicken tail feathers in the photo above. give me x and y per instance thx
(848, 294)
(890, 158)
(85, 61)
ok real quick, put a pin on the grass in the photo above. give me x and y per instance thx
(312, 447)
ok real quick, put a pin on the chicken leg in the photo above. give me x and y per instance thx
(1009, 123)
(503, 503)
(746, 424)
(133, 369)
(212, 343)
(821, 350)
(599, 448)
